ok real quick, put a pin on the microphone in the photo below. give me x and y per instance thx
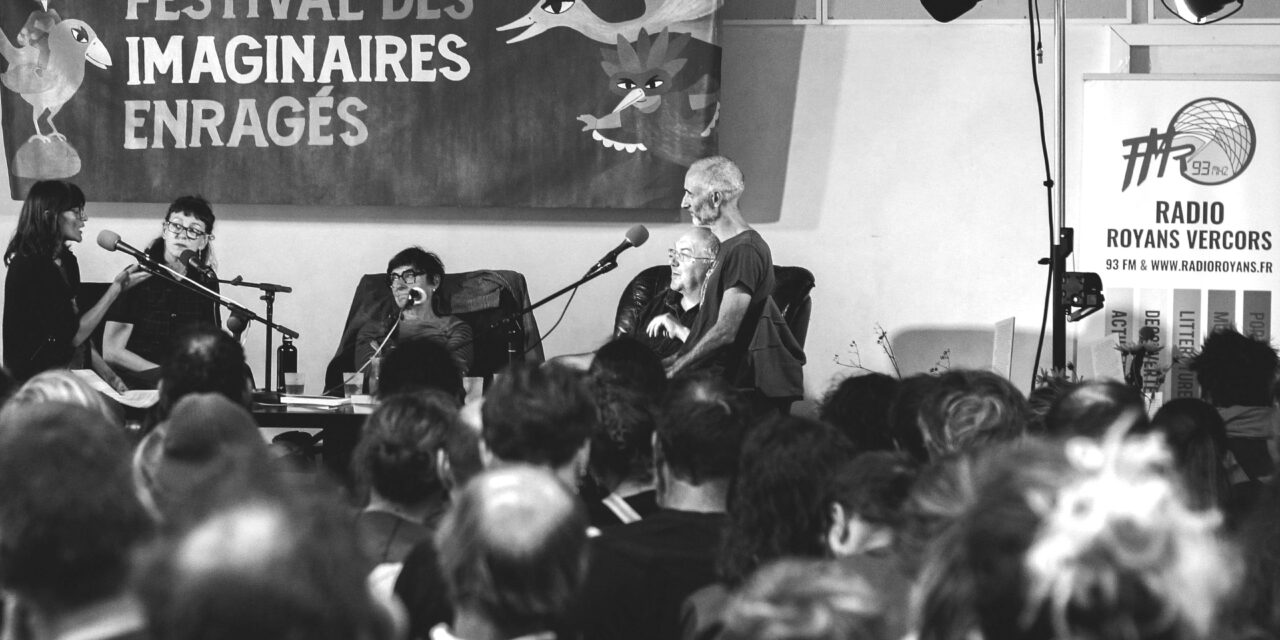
(111, 241)
(192, 260)
(636, 236)
(416, 296)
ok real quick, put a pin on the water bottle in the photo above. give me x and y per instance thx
(286, 361)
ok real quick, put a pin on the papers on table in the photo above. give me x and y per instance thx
(135, 398)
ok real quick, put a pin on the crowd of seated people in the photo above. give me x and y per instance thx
(616, 503)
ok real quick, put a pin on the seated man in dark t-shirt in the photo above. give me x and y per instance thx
(640, 573)
(739, 282)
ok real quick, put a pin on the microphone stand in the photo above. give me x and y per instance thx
(511, 321)
(269, 292)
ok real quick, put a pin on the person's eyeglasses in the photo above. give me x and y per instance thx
(178, 231)
(405, 276)
(684, 255)
(79, 214)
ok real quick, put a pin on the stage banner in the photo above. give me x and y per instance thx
(521, 103)
(1178, 196)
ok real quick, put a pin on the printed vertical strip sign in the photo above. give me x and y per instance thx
(1222, 309)
(1184, 343)
(1257, 314)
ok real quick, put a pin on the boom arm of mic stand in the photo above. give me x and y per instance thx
(510, 321)
(217, 298)
(261, 286)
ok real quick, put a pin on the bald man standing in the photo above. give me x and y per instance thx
(513, 550)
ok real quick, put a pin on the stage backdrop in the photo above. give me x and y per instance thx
(1179, 212)
(541, 103)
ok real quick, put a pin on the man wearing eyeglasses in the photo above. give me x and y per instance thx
(738, 284)
(666, 320)
(142, 324)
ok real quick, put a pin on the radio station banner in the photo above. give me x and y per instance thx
(1178, 214)
(537, 103)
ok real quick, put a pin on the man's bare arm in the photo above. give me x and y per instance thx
(733, 308)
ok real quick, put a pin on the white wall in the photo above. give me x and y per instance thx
(899, 163)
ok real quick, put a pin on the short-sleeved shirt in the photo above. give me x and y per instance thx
(160, 309)
(666, 302)
(743, 261)
(448, 331)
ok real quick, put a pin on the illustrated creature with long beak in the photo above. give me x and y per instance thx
(662, 110)
(47, 67)
(685, 16)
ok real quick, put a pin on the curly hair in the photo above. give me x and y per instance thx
(1235, 370)
(779, 504)
(805, 600)
(971, 408)
(396, 455)
(1089, 408)
(622, 442)
(875, 485)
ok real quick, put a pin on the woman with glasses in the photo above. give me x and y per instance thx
(43, 326)
(411, 269)
(143, 323)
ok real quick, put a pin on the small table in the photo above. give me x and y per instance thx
(339, 429)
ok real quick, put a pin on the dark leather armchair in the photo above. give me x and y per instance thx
(479, 298)
(790, 293)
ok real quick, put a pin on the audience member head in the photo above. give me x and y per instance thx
(1256, 612)
(622, 442)
(1087, 539)
(1197, 436)
(780, 504)
(68, 516)
(1041, 400)
(859, 407)
(1235, 370)
(798, 599)
(868, 494)
(1090, 408)
(207, 455)
(419, 364)
(50, 205)
(205, 360)
(462, 460)
(60, 385)
(539, 415)
(263, 569)
(970, 408)
(627, 362)
(942, 491)
(513, 552)
(400, 444)
(904, 415)
(701, 426)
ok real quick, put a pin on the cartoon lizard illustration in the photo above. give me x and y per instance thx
(662, 110)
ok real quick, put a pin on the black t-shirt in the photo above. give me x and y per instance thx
(666, 302)
(159, 308)
(743, 261)
(640, 574)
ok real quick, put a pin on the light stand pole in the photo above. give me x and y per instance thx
(1064, 245)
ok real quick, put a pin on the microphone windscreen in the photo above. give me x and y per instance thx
(637, 235)
(108, 239)
(417, 295)
(187, 256)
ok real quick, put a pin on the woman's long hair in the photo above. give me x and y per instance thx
(37, 233)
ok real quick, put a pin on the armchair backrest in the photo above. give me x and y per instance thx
(479, 298)
(790, 293)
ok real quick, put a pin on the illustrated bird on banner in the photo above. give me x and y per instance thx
(47, 66)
